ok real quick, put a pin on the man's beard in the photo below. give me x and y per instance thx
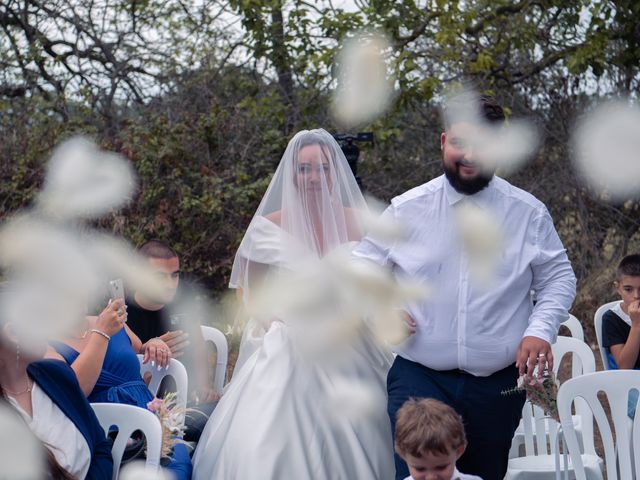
(466, 186)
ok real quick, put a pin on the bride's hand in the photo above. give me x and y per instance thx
(409, 322)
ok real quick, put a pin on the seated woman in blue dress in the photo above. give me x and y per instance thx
(104, 358)
(47, 396)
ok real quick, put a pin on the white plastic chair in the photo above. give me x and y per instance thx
(597, 324)
(575, 327)
(128, 419)
(538, 432)
(211, 334)
(176, 370)
(559, 349)
(620, 458)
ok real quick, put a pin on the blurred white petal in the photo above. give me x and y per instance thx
(83, 181)
(389, 326)
(509, 147)
(139, 471)
(379, 226)
(365, 87)
(606, 146)
(505, 146)
(482, 240)
(115, 258)
(51, 278)
(21, 453)
(352, 401)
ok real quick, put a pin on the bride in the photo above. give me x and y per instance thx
(283, 415)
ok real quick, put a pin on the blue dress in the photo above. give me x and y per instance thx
(120, 382)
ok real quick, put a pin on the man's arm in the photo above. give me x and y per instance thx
(555, 285)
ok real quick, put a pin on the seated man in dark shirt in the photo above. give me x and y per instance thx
(161, 317)
(621, 324)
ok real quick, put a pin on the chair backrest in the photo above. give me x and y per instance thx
(176, 370)
(616, 385)
(128, 419)
(576, 331)
(211, 334)
(575, 327)
(597, 324)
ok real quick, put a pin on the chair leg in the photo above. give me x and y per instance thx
(516, 443)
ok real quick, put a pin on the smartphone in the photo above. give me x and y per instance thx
(116, 289)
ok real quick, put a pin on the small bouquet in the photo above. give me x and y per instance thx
(171, 418)
(541, 391)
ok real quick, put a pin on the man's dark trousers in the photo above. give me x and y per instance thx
(490, 417)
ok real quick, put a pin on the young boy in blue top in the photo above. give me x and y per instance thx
(621, 324)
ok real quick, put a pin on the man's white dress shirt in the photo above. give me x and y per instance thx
(466, 324)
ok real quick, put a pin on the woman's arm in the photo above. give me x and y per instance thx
(136, 343)
(88, 365)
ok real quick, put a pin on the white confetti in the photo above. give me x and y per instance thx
(22, 455)
(482, 240)
(606, 146)
(503, 146)
(83, 181)
(365, 87)
(139, 471)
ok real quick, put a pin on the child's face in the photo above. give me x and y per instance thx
(628, 288)
(433, 465)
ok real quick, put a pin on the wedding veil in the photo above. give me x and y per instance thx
(313, 198)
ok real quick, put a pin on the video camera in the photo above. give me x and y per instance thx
(351, 151)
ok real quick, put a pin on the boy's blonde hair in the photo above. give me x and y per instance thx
(428, 425)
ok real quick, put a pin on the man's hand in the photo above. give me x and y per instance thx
(531, 352)
(177, 341)
(206, 395)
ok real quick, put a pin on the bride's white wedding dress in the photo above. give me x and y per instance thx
(280, 417)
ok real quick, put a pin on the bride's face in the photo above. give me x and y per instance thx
(313, 169)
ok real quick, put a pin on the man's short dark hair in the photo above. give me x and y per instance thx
(468, 106)
(157, 249)
(629, 266)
